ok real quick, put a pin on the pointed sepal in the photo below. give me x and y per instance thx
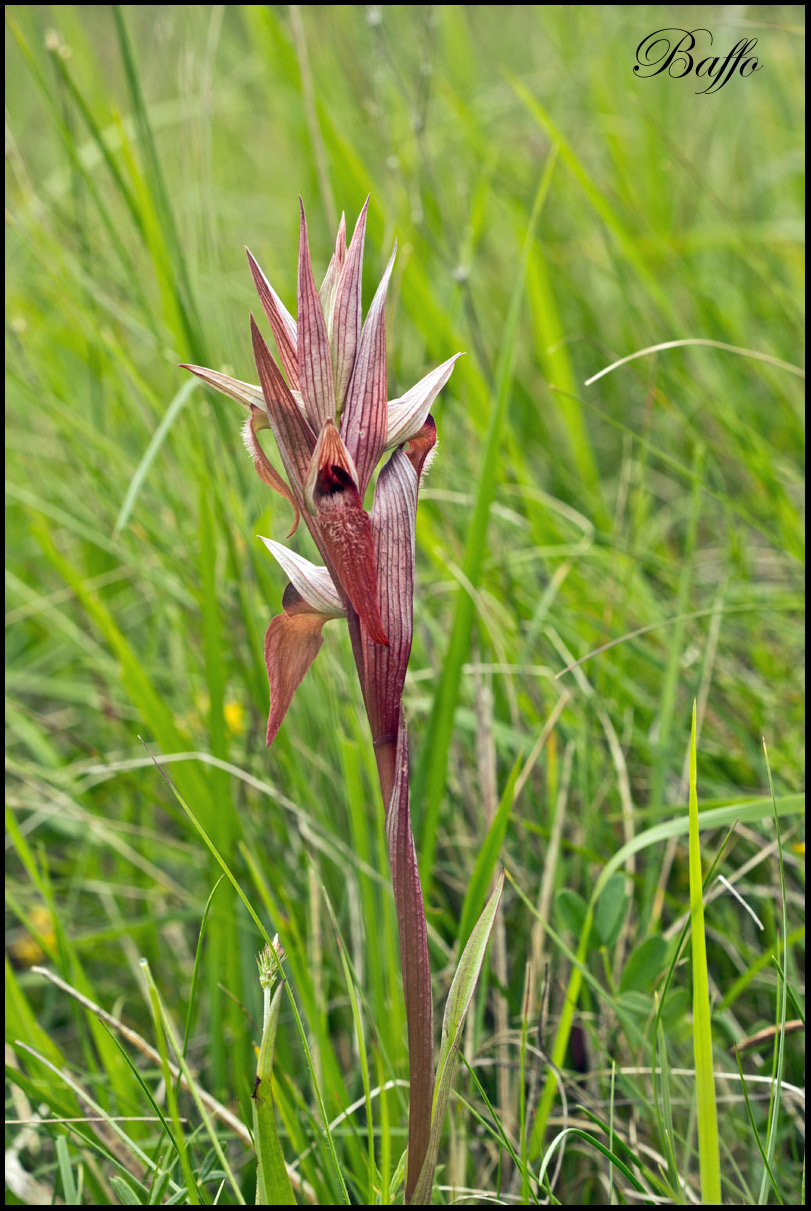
(294, 437)
(281, 321)
(329, 285)
(407, 414)
(247, 394)
(348, 315)
(314, 358)
(364, 423)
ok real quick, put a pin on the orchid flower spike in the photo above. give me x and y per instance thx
(327, 407)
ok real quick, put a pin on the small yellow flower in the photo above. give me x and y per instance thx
(26, 950)
(234, 714)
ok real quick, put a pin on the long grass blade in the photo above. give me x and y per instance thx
(459, 998)
(708, 1147)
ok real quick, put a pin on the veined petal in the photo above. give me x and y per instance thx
(264, 468)
(294, 437)
(244, 393)
(344, 528)
(330, 283)
(292, 643)
(393, 520)
(348, 313)
(312, 582)
(314, 358)
(364, 422)
(281, 322)
(406, 415)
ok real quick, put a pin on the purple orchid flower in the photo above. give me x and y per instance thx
(327, 407)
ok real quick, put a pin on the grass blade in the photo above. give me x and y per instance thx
(150, 454)
(708, 1148)
(774, 1107)
(458, 1003)
(476, 893)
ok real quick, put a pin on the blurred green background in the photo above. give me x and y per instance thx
(553, 212)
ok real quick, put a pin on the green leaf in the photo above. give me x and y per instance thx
(634, 1003)
(571, 911)
(459, 998)
(644, 964)
(610, 910)
(128, 1191)
(151, 453)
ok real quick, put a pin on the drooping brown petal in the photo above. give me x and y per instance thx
(365, 419)
(257, 420)
(330, 283)
(246, 394)
(405, 877)
(281, 322)
(393, 519)
(344, 527)
(294, 437)
(314, 358)
(348, 313)
(422, 447)
(406, 415)
(292, 643)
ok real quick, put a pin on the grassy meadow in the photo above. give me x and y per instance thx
(591, 561)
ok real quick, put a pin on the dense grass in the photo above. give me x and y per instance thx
(553, 213)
